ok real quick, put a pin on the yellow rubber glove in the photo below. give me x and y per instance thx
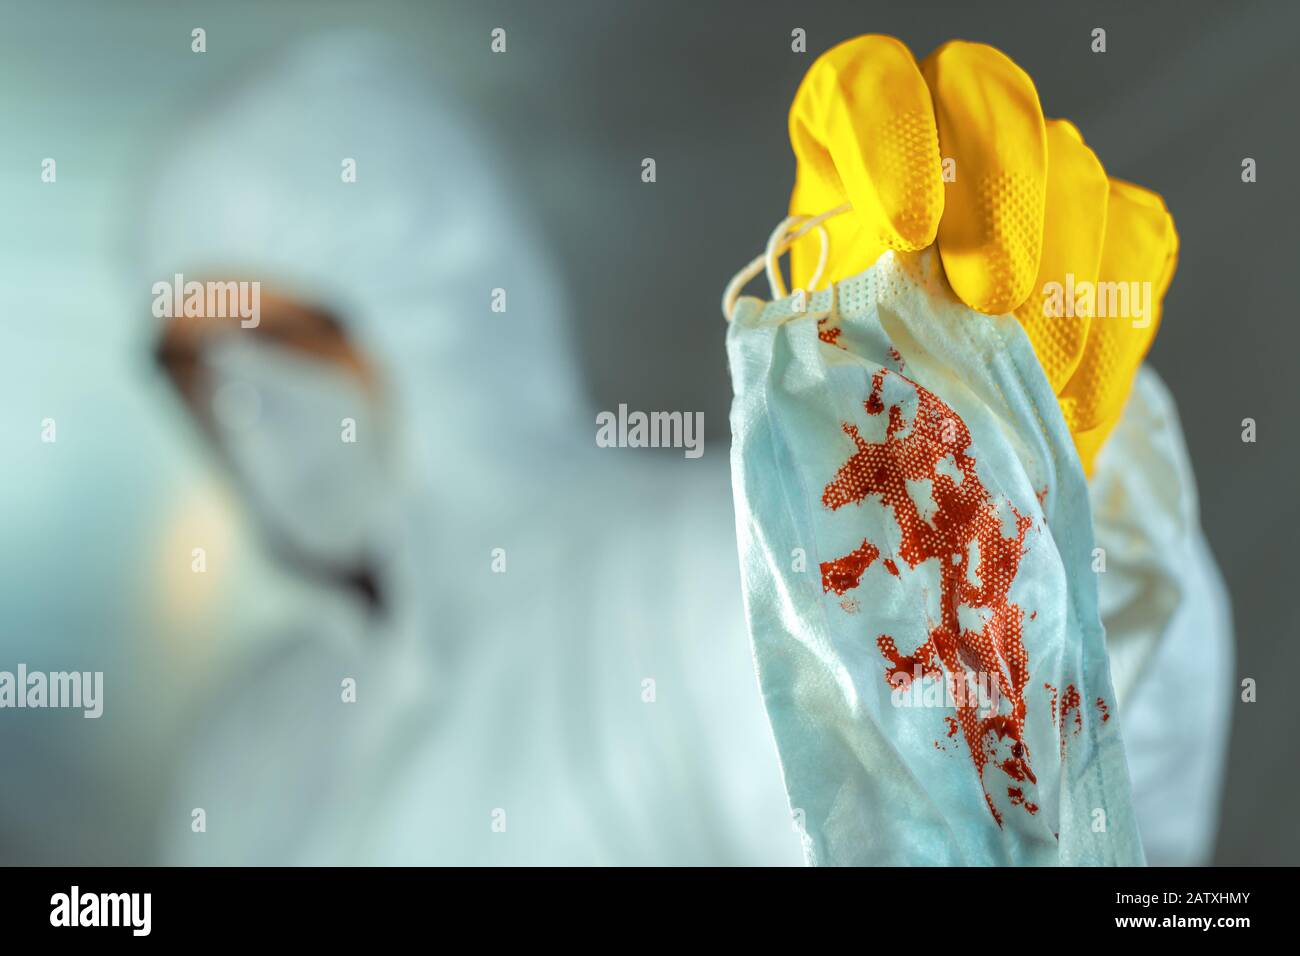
(1027, 205)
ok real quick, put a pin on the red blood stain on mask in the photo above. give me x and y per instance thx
(1069, 701)
(1017, 796)
(828, 334)
(844, 574)
(962, 533)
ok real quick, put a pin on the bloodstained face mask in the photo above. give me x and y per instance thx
(916, 553)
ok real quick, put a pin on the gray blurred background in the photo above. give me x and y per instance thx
(1183, 93)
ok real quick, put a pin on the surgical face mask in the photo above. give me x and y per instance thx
(307, 449)
(917, 559)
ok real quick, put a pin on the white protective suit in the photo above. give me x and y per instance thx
(1168, 627)
(594, 703)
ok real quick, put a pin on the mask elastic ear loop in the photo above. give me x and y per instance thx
(780, 241)
(821, 259)
(772, 251)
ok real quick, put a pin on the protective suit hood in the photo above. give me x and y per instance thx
(407, 257)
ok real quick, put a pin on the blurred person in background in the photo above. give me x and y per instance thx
(517, 648)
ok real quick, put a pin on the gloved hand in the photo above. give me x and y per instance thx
(1027, 204)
